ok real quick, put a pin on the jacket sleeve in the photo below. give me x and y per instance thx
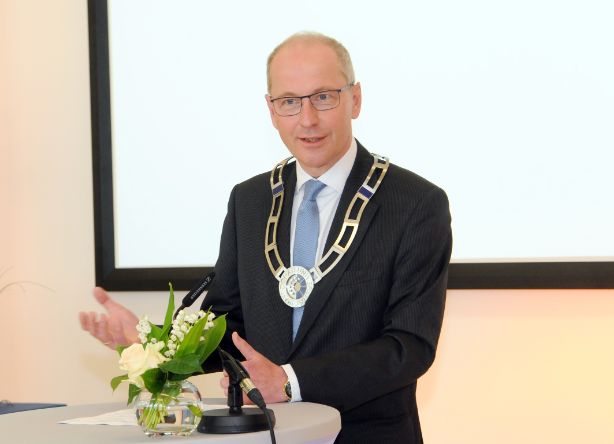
(223, 296)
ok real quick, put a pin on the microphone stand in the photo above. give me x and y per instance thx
(236, 419)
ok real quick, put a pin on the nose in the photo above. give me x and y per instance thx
(309, 115)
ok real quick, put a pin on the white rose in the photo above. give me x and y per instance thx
(136, 360)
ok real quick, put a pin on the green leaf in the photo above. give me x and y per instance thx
(195, 410)
(168, 318)
(120, 349)
(118, 380)
(192, 339)
(156, 332)
(177, 377)
(183, 365)
(133, 392)
(154, 379)
(213, 337)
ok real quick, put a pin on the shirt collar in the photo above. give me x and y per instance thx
(336, 176)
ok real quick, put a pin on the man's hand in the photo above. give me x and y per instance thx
(269, 378)
(116, 327)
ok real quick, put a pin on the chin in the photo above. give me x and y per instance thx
(310, 159)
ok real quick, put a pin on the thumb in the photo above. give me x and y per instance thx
(103, 298)
(244, 347)
(101, 295)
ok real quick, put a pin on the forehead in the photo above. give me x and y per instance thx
(303, 67)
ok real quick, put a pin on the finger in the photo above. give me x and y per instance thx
(102, 331)
(84, 321)
(243, 346)
(104, 299)
(101, 295)
(90, 322)
(116, 331)
(100, 326)
(224, 383)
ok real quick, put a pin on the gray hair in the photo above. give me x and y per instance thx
(315, 37)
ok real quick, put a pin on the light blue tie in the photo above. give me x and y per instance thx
(306, 237)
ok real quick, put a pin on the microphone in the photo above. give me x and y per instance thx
(234, 419)
(195, 292)
(237, 373)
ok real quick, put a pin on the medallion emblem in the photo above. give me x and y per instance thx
(295, 286)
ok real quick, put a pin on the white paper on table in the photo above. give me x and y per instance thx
(125, 417)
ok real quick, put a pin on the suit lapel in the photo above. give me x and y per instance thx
(323, 289)
(359, 172)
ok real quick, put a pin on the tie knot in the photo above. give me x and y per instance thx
(312, 188)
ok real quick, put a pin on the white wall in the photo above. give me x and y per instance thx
(522, 367)
(5, 170)
(49, 207)
(513, 366)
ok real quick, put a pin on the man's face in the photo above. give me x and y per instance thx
(318, 139)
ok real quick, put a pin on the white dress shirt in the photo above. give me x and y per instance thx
(328, 201)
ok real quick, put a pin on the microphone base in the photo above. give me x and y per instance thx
(222, 421)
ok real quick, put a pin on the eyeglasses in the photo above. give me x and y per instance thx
(322, 101)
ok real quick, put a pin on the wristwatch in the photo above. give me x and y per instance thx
(288, 390)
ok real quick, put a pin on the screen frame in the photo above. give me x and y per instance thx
(482, 275)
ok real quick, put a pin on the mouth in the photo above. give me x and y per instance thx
(311, 140)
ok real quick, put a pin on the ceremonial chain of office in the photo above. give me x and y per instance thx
(296, 283)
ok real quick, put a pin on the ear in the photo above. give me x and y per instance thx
(356, 100)
(271, 110)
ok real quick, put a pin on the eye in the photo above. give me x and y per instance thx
(289, 101)
(323, 97)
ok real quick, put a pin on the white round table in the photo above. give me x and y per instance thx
(300, 422)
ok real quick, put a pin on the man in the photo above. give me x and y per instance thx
(355, 321)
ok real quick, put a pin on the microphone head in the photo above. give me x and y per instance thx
(197, 290)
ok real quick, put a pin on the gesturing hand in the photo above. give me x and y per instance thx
(268, 377)
(116, 327)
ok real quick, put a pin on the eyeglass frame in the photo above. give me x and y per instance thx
(309, 96)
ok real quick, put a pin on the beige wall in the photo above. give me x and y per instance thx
(513, 366)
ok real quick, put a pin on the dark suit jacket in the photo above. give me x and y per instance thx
(370, 327)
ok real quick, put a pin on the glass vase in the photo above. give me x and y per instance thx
(176, 410)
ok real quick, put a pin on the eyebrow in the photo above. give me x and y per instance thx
(317, 90)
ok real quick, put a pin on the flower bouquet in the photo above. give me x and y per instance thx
(158, 368)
